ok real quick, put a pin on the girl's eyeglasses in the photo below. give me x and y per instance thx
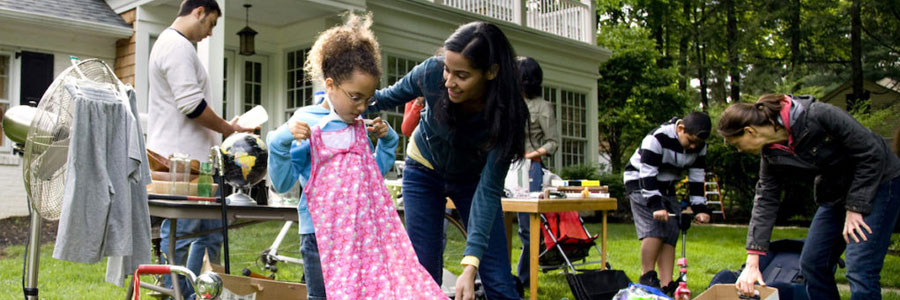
(371, 101)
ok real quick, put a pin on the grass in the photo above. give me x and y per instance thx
(709, 250)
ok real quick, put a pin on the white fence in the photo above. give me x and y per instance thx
(572, 19)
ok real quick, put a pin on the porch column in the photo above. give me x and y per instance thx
(212, 54)
(593, 132)
(590, 34)
(141, 61)
(520, 12)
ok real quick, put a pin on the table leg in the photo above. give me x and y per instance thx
(535, 222)
(173, 231)
(603, 243)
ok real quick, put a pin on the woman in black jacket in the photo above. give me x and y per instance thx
(857, 188)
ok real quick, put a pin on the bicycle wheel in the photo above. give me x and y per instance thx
(455, 242)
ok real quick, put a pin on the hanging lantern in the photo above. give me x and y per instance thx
(247, 36)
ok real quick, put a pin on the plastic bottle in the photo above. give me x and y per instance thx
(204, 183)
(254, 117)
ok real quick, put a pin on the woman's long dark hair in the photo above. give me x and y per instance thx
(484, 45)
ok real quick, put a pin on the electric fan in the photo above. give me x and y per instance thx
(46, 146)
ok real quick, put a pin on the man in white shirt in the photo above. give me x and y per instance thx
(181, 120)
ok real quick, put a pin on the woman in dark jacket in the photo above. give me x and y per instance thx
(857, 188)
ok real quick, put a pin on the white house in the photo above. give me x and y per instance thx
(36, 39)
(560, 34)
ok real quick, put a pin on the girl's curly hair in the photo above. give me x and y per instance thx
(342, 49)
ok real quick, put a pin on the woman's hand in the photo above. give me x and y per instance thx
(378, 127)
(853, 226)
(465, 284)
(749, 276)
(661, 215)
(299, 130)
(536, 153)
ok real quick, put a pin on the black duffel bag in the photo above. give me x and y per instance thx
(597, 284)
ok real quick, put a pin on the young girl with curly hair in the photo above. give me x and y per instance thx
(352, 241)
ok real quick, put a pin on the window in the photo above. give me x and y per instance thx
(4, 95)
(573, 127)
(252, 84)
(225, 90)
(571, 118)
(299, 88)
(395, 69)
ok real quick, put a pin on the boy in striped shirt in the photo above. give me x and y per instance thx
(650, 178)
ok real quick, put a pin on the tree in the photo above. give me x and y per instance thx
(733, 42)
(856, 72)
(635, 94)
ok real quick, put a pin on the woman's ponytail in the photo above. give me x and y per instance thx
(765, 111)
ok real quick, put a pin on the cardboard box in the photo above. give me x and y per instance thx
(729, 292)
(246, 288)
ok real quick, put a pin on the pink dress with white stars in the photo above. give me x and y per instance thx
(364, 249)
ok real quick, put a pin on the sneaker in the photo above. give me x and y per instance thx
(649, 279)
(670, 288)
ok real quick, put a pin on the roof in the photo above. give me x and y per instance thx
(887, 85)
(890, 83)
(91, 11)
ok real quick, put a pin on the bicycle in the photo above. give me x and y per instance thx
(206, 286)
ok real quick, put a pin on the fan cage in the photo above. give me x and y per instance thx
(48, 135)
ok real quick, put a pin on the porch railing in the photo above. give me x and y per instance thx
(566, 18)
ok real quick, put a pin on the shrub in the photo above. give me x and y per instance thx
(579, 171)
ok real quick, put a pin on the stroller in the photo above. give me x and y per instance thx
(565, 241)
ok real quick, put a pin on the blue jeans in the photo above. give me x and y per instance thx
(189, 252)
(536, 177)
(312, 267)
(825, 243)
(424, 200)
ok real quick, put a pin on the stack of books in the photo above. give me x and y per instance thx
(575, 182)
(592, 189)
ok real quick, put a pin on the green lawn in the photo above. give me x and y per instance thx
(709, 250)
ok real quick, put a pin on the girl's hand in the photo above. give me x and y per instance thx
(853, 226)
(299, 130)
(465, 284)
(749, 276)
(378, 127)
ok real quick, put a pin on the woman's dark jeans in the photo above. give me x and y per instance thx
(825, 243)
(424, 199)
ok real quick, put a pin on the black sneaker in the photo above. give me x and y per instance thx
(670, 288)
(649, 279)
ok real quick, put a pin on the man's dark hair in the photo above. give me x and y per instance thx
(697, 124)
(531, 76)
(187, 6)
